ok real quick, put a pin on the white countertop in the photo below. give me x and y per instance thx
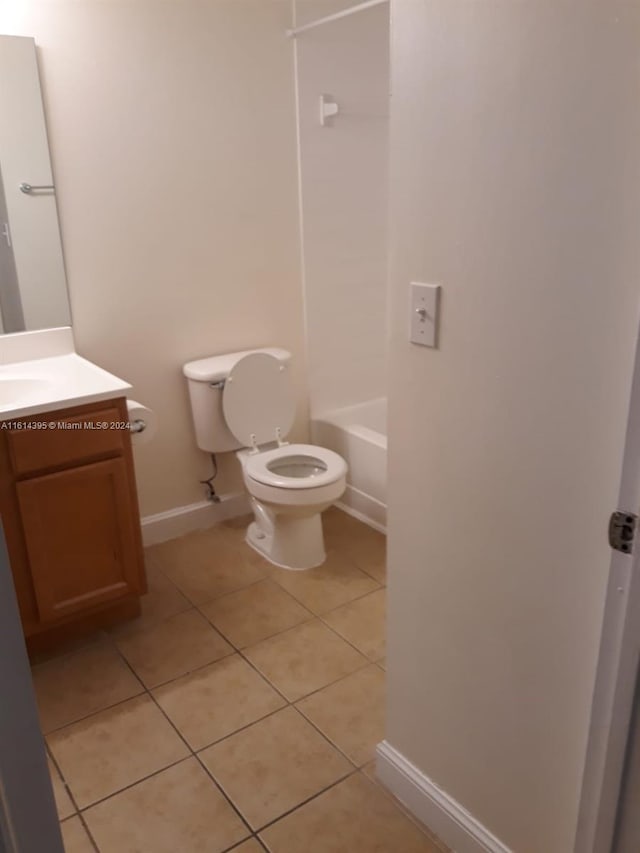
(57, 382)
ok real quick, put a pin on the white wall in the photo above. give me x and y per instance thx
(172, 128)
(515, 182)
(344, 201)
(24, 157)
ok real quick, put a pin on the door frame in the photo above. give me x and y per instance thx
(28, 816)
(617, 663)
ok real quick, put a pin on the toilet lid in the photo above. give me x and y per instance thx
(258, 399)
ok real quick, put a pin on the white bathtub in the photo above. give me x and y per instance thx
(359, 434)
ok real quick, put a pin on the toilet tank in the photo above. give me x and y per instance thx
(205, 380)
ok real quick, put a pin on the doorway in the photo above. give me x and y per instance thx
(611, 779)
(28, 818)
(627, 830)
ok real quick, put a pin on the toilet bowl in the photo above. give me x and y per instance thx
(290, 486)
(244, 401)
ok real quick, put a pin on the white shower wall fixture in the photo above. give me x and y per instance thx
(343, 186)
(335, 16)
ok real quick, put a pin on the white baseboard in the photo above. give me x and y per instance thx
(443, 815)
(183, 519)
(364, 508)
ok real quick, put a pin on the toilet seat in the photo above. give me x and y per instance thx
(259, 408)
(276, 467)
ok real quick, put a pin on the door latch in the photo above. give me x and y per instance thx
(622, 531)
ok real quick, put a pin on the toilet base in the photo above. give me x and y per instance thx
(291, 542)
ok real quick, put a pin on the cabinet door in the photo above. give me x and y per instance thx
(82, 548)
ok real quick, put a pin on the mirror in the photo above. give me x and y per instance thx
(33, 287)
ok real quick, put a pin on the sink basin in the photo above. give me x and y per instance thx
(39, 385)
(16, 389)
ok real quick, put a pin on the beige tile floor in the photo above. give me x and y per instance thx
(239, 712)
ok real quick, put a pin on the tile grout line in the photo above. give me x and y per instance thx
(273, 579)
(104, 799)
(252, 837)
(236, 651)
(209, 601)
(374, 578)
(270, 574)
(195, 754)
(254, 832)
(268, 577)
(89, 833)
(424, 829)
(270, 823)
(221, 526)
(224, 794)
(344, 639)
(291, 703)
(93, 713)
(241, 651)
(199, 605)
(149, 691)
(151, 687)
(76, 812)
(304, 802)
(320, 618)
(263, 676)
(359, 770)
(338, 606)
(112, 640)
(192, 754)
(67, 651)
(288, 703)
(327, 738)
(186, 743)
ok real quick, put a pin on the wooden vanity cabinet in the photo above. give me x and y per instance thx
(70, 514)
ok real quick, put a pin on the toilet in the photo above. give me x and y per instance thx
(244, 401)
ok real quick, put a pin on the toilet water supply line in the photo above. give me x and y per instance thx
(211, 492)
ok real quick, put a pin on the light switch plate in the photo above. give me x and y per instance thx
(425, 309)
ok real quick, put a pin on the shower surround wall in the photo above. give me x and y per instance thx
(344, 201)
(343, 185)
